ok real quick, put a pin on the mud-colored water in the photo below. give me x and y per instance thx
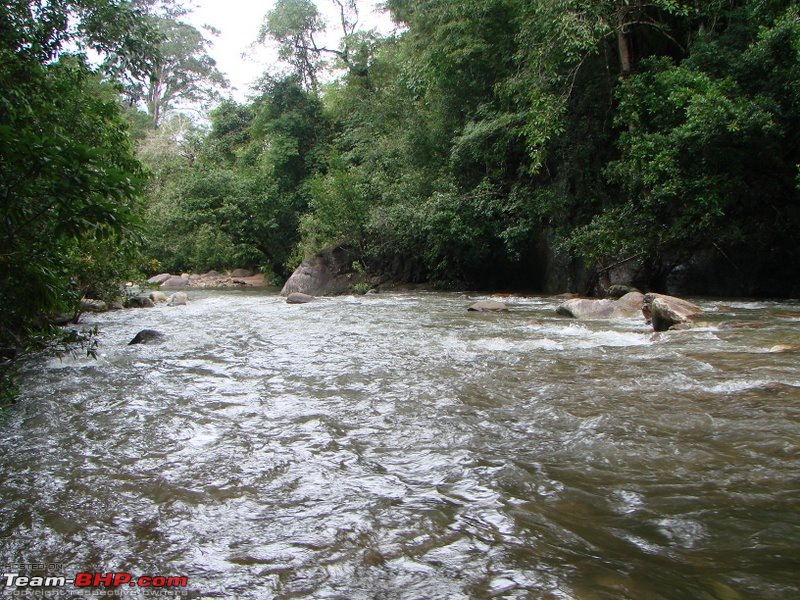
(395, 446)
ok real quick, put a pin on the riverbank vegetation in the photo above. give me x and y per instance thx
(485, 143)
(489, 137)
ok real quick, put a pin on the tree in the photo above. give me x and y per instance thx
(708, 155)
(181, 73)
(68, 177)
(293, 24)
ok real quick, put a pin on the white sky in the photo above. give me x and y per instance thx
(239, 21)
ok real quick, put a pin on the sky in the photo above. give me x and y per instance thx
(239, 21)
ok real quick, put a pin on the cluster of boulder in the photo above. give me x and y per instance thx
(212, 279)
(662, 311)
(331, 272)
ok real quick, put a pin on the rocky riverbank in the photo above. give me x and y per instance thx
(211, 279)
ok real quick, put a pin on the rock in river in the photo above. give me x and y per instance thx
(140, 301)
(178, 299)
(327, 273)
(586, 308)
(147, 336)
(298, 298)
(488, 306)
(668, 312)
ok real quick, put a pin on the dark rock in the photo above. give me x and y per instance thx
(298, 298)
(619, 290)
(63, 319)
(175, 282)
(159, 279)
(210, 275)
(91, 305)
(139, 302)
(488, 306)
(241, 273)
(328, 273)
(667, 311)
(147, 336)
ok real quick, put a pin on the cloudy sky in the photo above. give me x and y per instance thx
(239, 22)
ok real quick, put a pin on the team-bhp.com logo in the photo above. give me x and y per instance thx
(94, 580)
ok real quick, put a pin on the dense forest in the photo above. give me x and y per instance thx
(528, 144)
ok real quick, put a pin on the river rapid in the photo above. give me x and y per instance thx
(396, 446)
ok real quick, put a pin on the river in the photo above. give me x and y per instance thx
(396, 446)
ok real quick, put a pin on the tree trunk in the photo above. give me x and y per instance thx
(623, 42)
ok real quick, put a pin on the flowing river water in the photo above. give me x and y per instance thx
(396, 446)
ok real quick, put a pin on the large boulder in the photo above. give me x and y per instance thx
(586, 308)
(175, 282)
(159, 279)
(667, 312)
(631, 301)
(328, 273)
(298, 298)
(488, 306)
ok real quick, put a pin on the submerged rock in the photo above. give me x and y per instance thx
(488, 306)
(299, 298)
(146, 336)
(668, 312)
(782, 348)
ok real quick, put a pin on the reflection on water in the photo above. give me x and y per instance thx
(396, 446)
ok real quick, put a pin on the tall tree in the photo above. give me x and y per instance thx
(293, 24)
(180, 74)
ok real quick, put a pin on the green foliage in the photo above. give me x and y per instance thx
(68, 177)
(360, 288)
(293, 23)
(703, 154)
(456, 148)
(232, 196)
(179, 71)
